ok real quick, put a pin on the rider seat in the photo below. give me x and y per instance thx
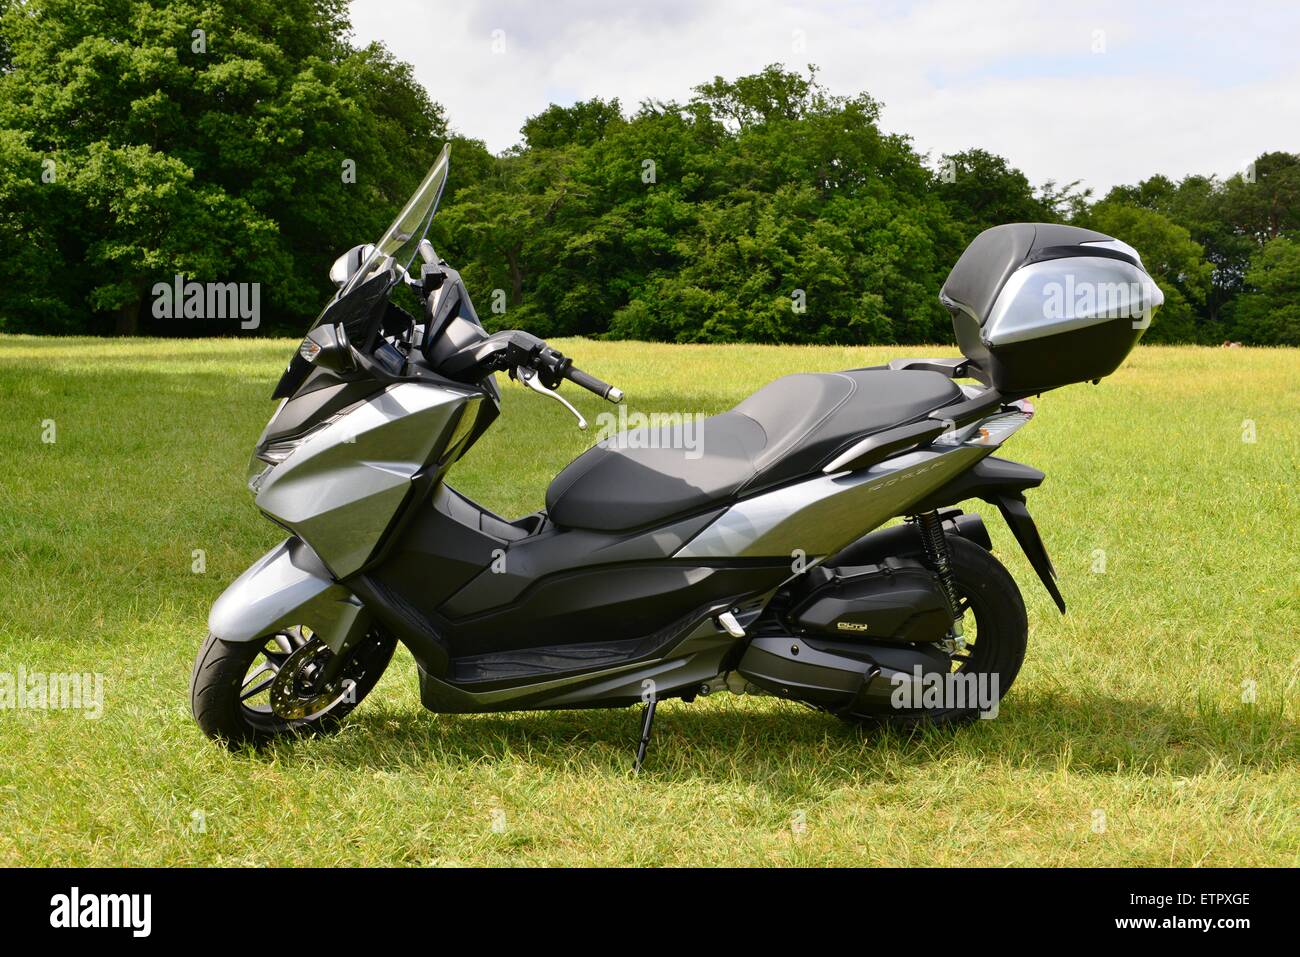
(785, 431)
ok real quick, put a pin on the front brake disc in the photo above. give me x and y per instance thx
(297, 693)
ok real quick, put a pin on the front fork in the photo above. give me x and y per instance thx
(345, 635)
(936, 552)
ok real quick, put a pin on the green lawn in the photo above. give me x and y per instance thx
(1131, 706)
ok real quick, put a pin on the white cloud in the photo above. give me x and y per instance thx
(1179, 88)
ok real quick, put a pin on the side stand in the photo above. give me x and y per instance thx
(647, 722)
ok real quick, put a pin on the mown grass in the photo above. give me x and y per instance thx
(1131, 706)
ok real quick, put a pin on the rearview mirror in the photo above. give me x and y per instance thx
(350, 263)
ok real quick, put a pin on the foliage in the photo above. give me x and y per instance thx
(249, 140)
(765, 209)
(1270, 309)
(982, 190)
(581, 124)
(1232, 220)
(208, 139)
(4, 43)
(30, 257)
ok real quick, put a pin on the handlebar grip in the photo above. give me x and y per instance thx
(592, 384)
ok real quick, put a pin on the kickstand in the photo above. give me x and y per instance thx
(647, 721)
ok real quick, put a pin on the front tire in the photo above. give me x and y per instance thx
(229, 687)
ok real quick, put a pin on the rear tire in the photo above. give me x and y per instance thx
(1000, 635)
(221, 678)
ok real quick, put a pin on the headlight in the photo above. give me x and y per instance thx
(270, 454)
(273, 453)
(257, 472)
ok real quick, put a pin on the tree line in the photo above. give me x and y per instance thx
(254, 142)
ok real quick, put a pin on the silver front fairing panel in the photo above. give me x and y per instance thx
(340, 489)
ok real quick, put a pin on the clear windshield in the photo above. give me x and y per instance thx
(401, 240)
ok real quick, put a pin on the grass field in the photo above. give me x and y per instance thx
(1129, 738)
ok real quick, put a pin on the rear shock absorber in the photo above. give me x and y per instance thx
(936, 551)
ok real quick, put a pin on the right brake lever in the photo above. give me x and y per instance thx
(529, 378)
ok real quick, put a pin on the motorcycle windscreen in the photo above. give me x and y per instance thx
(362, 296)
(401, 240)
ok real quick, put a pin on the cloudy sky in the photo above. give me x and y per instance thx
(1106, 92)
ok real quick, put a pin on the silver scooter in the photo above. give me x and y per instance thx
(754, 562)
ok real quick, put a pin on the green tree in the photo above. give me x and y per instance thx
(1264, 202)
(1269, 311)
(494, 231)
(1231, 219)
(250, 140)
(1197, 203)
(983, 190)
(4, 44)
(771, 94)
(157, 221)
(763, 209)
(582, 124)
(1063, 202)
(32, 262)
(225, 140)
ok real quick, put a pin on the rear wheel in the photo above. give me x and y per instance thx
(995, 634)
(249, 692)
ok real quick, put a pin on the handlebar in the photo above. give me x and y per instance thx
(592, 384)
(513, 350)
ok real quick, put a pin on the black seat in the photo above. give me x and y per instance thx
(784, 431)
(996, 253)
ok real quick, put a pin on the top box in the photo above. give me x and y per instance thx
(1038, 305)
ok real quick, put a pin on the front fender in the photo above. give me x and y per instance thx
(287, 586)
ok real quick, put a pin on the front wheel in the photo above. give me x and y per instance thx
(995, 633)
(249, 692)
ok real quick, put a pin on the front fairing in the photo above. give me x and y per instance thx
(340, 485)
(313, 397)
(359, 309)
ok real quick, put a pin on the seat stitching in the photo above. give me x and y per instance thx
(753, 468)
(956, 391)
(853, 388)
